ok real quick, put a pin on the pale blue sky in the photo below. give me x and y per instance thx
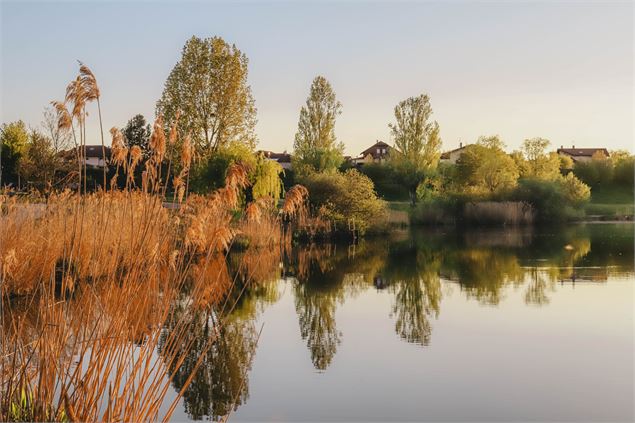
(560, 70)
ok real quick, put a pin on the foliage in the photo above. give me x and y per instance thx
(348, 199)
(137, 132)
(575, 191)
(386, 180)
(540, 164)
(483, 169)
(315, 147)
(209, 173)
(208, 87)
(264, 174)
(266, 179)
(39, 161)
(417, 142)
(553, 201)
(597, 172)
(14, 139)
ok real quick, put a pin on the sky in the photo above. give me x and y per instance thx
(557, 70)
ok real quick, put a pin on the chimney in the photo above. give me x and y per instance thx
(561, 147)
(460, 145)
(573, 146)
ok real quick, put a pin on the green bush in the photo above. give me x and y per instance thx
(553, 201)
(386, 181)
(348, 199)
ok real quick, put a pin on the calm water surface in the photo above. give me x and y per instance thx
(431, 325)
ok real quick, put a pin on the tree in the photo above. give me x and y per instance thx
(60, 138)
(39, 161)
(208, 86)
(137, 132)
(315, 146)
(416, 140)
(541, 165)
(13, 142)
(347, 199)
(486, 170)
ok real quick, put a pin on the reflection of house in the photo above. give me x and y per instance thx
(452, 156)
(377, 153)
(582, 154)
(284, 159)
(93, 157)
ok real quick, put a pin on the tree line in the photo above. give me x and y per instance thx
(208, 94)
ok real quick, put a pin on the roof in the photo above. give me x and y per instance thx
(582, 152)
(279, 157)
(92, 151)
(372, 150)
(446, 155)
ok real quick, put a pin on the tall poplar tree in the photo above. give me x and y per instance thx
(417, 144)
(315, 147)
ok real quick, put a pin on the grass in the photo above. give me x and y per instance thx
(612, 195)
(611, 202)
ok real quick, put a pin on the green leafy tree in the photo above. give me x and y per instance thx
(416, 140)
(624, 169)
(39, 162)
(485, 170)
(315, 147)
(345, 198)
(575, 191)
(14, 139)
(598, 172)
(267, 178)
(209, 88)
(137, 132)
(540, 164)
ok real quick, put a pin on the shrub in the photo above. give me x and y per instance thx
(553, 201)
(386, 181)
(348, 199)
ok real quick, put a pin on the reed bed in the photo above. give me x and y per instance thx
(503, 213)
(88, 282)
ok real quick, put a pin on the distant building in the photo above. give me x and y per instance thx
(450, 157)
(284, 158)
(93, 157)
(582, 154)
(377, 153)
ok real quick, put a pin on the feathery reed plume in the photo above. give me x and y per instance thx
(295, 201)
(119, 149)
(77, 96)
(89, 82)
(186, 152)
(157, 140)
(173, 130)
(92, 93)
(64, 119)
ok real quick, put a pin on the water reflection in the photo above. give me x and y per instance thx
(412, 268)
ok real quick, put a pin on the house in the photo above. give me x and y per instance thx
(93, 156)
(582, 154)
(450, 157)
(284, 158)
(376, 153)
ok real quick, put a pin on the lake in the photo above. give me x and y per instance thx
(430, 325)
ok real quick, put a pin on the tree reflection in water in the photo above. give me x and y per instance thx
(413, 269)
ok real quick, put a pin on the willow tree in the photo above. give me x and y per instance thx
(209, 88)
(315, 147)
(416, 140)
